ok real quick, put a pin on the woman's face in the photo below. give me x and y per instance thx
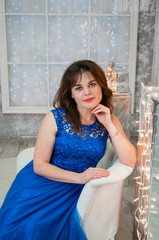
(87, 93)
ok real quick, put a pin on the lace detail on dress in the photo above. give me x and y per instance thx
(94, 130)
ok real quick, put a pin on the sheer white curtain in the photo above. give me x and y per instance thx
(155, 65)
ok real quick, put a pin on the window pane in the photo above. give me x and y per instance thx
(56, 73)
(68, 38)
(110, 39)
(28, 85)
(24, 39)
(107, 6)
(68, 6)
(117, 68)
(25, 6)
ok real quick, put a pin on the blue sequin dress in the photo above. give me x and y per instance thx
(36, 208)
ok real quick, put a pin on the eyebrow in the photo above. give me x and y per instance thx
(78, 84)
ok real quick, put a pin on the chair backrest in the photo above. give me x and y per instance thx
(24, 157)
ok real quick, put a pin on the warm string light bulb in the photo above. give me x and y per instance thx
(143, 180)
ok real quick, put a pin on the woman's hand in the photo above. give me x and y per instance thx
(93, 173)
(103, 115)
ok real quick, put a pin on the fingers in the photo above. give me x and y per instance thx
(103, 115)
(94, 173)
(99, 173)
(100, 107)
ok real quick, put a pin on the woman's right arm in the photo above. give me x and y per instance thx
(43, 151)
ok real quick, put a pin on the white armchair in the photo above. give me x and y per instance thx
(99, 202)
(100, 199)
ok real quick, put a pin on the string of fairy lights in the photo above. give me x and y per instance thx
(144, 200)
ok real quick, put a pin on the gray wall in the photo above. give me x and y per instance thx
(145, 47)
(25, 126)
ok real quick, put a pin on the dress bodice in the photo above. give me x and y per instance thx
(77, 152)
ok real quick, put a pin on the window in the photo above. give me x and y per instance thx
(40, 38)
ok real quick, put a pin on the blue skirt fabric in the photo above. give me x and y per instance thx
(36, 208)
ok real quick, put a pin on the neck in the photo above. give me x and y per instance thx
(87, 117)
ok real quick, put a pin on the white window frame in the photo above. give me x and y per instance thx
(7, 109)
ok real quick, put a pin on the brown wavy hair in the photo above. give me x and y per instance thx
(71, 76)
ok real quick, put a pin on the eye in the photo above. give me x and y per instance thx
(92, 84)
(78, 88)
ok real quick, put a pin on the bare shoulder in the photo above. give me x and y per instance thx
(49, 123)
(45, 139)
(50, 117)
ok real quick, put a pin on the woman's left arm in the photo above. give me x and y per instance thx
(123, 147)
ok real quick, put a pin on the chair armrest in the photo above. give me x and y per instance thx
(118, 172)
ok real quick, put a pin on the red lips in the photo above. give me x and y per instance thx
(88, 100)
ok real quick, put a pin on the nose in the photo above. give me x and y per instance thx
(86, 91)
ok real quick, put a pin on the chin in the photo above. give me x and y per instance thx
(93, 106)
(96, 103)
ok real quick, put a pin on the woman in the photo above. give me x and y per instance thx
(41, 203)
